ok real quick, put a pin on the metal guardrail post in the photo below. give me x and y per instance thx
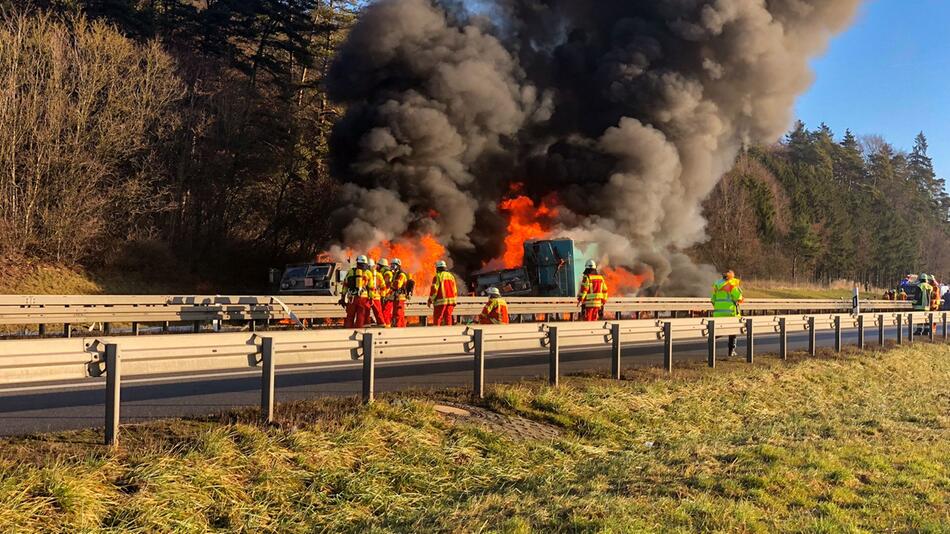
(478, 338)
(711, 333)
(166, 327)
(668, 346)
(812, 342)
(900, 329)
(880, 329)
(837, 333)
(910, 327)
(944, 321)
(615, 351)
(749, 342)
(861, 332)
(135, 328)
(67, 330)
(267, 379)
(42, 330)
(113, 389)
(106, 328)
(783, 338)
(196, 326)
(554, 363)
(369, 368)
(931, 326)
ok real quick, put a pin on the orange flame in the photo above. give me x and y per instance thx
(526, 221)
(418, 256)
(622, 282)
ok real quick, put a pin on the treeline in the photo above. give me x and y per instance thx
(138, 133)
(181, 134)
(818, 208)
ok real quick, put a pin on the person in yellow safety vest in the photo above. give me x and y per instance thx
(400, 293)
(443, 295)
(726, 298)
(356, 296)
(593, 294)
(386, 290)
(496, 310)
(373, 293)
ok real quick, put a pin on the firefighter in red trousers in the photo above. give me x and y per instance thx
(443, 295)
(356, 297)
(593, 295)
(386, 290)
(496, 310)
(400, 293)
(373, 289)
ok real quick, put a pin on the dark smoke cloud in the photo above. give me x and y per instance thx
(630, 111)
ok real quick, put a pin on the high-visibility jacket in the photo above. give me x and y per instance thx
(369, 277)
(379, 289)
(726, 298)
(398, 285)
(356, 282)
(386, 288)
(593, 291)
(494, 312)
(444, 290)
(926, 294)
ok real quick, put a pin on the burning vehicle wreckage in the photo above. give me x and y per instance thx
(515, 137)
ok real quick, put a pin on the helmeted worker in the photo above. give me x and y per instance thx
(400, 293)
(373, 292)
(925, 293)
(726, 298)
(356, 296)
(495, 310)
(593, 294)
(443, 295)
(384, 279)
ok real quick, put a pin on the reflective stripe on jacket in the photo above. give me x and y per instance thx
(444, 290)
(399, 282)
(386, 287)
(494, 312)
(726, 297)
(369, 278)
(593, 291)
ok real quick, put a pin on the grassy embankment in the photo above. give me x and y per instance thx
(771, 289)
(46, 279)
(854, 443)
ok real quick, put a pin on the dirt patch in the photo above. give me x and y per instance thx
(513, 426)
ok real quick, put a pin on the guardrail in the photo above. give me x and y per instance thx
(115, 357)
(46, 310)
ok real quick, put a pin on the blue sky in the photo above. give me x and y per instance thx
(889, 74)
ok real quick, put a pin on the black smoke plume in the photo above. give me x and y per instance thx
(630, 111)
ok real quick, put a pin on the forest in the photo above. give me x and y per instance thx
(156, 135)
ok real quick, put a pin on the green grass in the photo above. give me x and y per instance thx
(856, 443)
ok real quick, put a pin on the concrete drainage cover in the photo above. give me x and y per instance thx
(514, 426)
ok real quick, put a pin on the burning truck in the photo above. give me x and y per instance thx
(552, 268)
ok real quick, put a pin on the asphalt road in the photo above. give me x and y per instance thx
(46, 407)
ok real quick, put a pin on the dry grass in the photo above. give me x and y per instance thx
(857, 443)
(26, 278)
(778, 289)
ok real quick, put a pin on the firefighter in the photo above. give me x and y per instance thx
(400, 293)
(355, 298)
(373, 290)
(495, 310)
(593, 295)
(385, 279)
(443, 295)
(726, 298)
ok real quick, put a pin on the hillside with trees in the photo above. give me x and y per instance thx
(193, 135)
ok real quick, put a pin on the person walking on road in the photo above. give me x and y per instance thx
(495, 310)
(726, 299)
(443, 295)
(593, 294)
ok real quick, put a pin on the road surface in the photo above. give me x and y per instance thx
(46, 407)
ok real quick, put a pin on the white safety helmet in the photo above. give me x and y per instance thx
(493, 292)
(361, 259)
(397, 262)
(591, 264)
(441, 264)
(371, 263)
(384, 262)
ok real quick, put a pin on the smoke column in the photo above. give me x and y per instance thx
(629, 112)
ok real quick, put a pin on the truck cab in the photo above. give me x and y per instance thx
(321, 279)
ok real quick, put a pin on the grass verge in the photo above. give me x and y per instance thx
(852, 443)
